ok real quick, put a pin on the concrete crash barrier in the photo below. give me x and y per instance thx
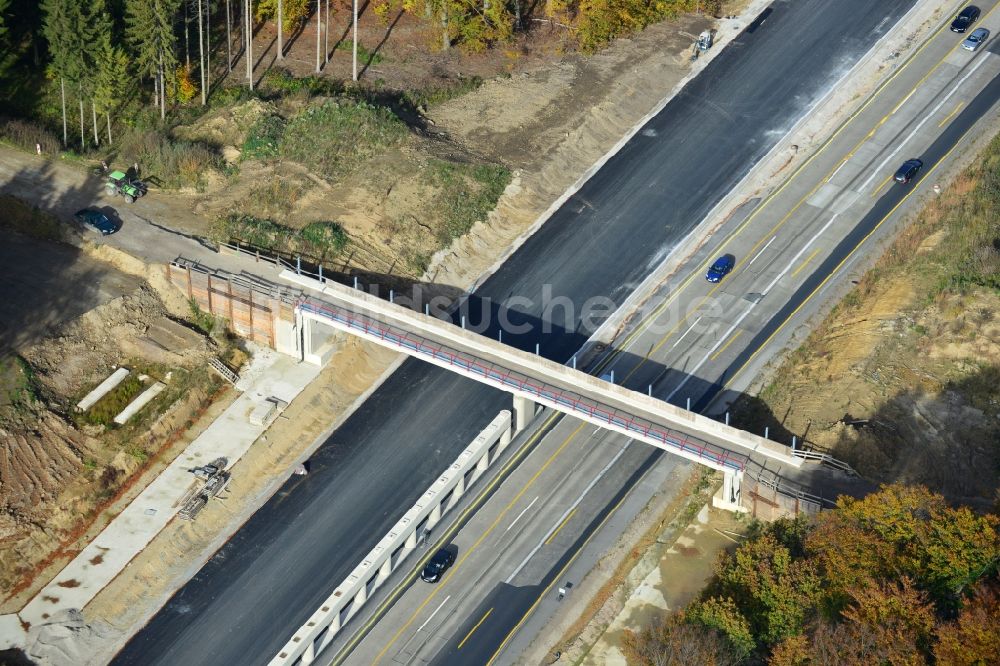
(413, 528)
(105, 387)
(143, 399)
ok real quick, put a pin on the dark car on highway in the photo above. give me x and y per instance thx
(965, 18)
(96, 221)
(720, 268)
(907, 171)
(437, 565)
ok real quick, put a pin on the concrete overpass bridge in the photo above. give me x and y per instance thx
(534, 380)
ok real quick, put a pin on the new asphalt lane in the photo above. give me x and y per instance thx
(245, 602)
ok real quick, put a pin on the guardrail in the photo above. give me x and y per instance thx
(825, 459)
(413, 528)
(507, 380)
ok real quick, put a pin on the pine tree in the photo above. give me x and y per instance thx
(112, 82)
(4, 4)
(149, 30)
(56, 26)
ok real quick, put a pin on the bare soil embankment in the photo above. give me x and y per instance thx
(902, 379)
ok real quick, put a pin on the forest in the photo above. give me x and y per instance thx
(899, 577)
(80, 68)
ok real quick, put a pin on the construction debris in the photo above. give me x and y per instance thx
(215, 478)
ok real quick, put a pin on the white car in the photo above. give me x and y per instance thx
(977, 37)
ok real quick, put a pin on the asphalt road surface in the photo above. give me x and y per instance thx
(834, 208)
(245, 602)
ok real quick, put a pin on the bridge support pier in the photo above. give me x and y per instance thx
(730, 496)
(524, 409)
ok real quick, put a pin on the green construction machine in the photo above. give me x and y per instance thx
(125, 185)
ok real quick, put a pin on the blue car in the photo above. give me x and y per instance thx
(96, 221)
(720, 268)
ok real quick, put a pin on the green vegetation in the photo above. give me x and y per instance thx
(29, 220)
(19, 387)
(317, 241)
(899, 577)
(264, 138)
(336, 136)
(166, 161)
(468, 194)
(422, 99)
(107, 408)
(365, 57)
(203, 321)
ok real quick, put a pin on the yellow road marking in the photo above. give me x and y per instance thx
(949, 116)
(556, 578)
(559, 529)
(485, 534)
(881, 185)
(626, 343)
(471, 631)
(726, 346)
(806, 262)
(836, 268)
(743, 225)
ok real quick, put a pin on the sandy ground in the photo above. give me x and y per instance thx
(678, 570)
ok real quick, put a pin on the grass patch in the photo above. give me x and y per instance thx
(28, 135)
(108, 407)
(29, 220)
(19, 386)
(280, 82)
(467, 194)
(430, 96)
(336, 136)
(317, 241)
(365, 57)
(166, 162)
(264, 138)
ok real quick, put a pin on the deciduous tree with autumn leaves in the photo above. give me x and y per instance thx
(899, 577)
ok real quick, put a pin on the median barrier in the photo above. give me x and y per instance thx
(411, 530)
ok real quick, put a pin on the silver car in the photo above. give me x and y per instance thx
(977, 37)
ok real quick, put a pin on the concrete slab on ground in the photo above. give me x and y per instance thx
(270, 375)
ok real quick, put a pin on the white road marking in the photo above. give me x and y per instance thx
(690, 373)
(686, 332)
(762, 250)
(433, 614)
(927, 116)
(525, 510)
(566, 513)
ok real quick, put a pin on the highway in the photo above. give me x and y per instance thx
(535, 533)
(244, 603)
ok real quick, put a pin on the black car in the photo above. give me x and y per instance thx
(437, 565)
(96, 221)
(965, 18)
(906, 172)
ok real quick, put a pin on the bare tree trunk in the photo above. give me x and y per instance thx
(156, 89)
(445, 38)
(249, 35)
(281, 28)
(319, 27)
(208, 46)
(93, 112)
(187, 40)
(517, 14)
(108, 116)
(354, 37)
(83, 134)
(229, 38)
(326, 34)
(163, 91)
(201, 55)
(62, 89)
